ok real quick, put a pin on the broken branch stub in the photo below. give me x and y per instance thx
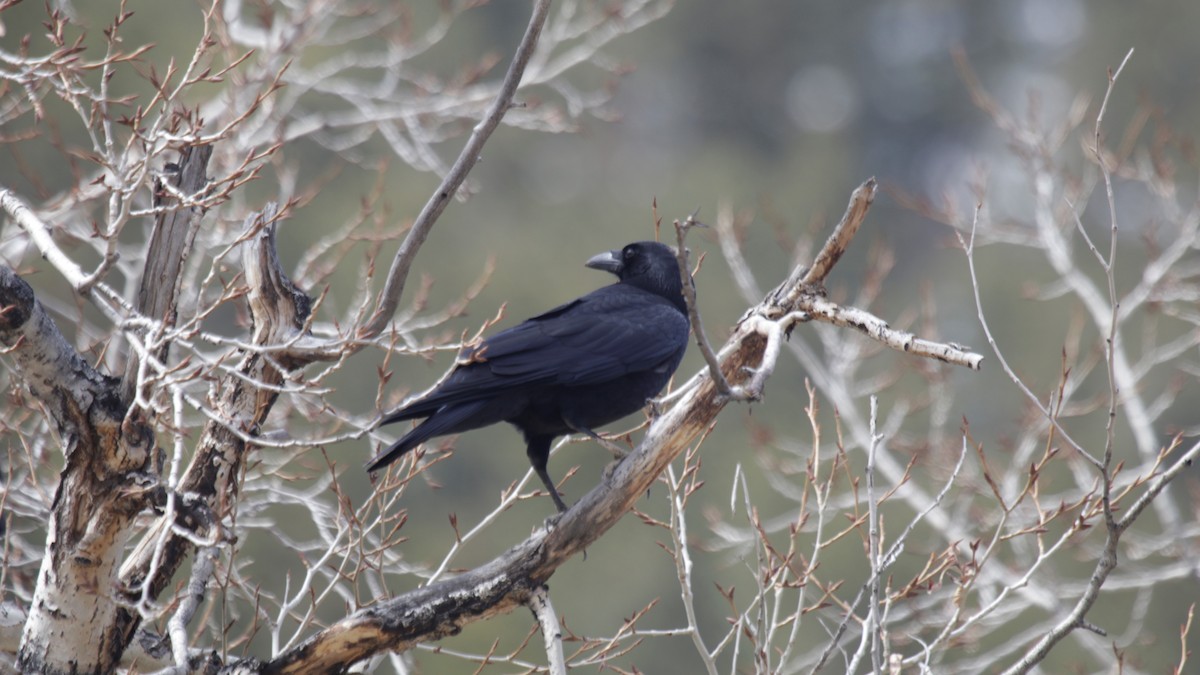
(170, 245)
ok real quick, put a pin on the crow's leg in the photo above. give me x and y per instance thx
(538, 450)
(616, 450)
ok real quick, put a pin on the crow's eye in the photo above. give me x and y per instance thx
(629, 253)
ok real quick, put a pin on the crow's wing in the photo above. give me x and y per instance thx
(613, 331)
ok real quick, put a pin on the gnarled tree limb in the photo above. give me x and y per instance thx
(279, 311)
(108, 479)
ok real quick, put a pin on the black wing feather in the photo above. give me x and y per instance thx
(608, 333)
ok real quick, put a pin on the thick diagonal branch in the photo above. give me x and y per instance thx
(443, 608)
(746, 360)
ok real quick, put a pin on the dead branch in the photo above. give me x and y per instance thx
(804, 292)
(693, 311)
(279, 311)
(168, 250)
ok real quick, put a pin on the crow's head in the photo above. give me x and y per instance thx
(648, 265)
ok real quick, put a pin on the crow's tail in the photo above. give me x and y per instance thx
(450, 419)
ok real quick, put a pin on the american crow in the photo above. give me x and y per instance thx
(578, 366)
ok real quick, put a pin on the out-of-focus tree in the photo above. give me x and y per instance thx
(189, 427)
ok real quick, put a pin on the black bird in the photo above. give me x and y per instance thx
(574, 368)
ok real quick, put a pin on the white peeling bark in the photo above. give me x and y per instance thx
(71, 622)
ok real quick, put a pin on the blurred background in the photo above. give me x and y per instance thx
(777, 110)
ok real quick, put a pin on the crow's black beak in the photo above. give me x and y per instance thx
(609, 261)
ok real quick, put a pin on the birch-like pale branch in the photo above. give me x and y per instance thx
(808, 295)
(106, 482)
(877, 329)
(39, 233)
(543, 610)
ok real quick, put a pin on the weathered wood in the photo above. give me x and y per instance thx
(279, 311)
(108, 479)
(170, 245)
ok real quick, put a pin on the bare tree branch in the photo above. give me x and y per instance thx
(839, 240)
(197, 591)
(805, 293)
(693, 310)
(393, 288)
(444, 607)
(247, 420)
(39, 232)
(214, 476)
(543, 610)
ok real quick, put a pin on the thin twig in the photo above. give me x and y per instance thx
(969, 249)
(1110, 429)
(873, 541)
(683, 569)
(872, 628)
(402, 263)
(689, 295)
(1108, 556)
(893, 553)
(1132, 512)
